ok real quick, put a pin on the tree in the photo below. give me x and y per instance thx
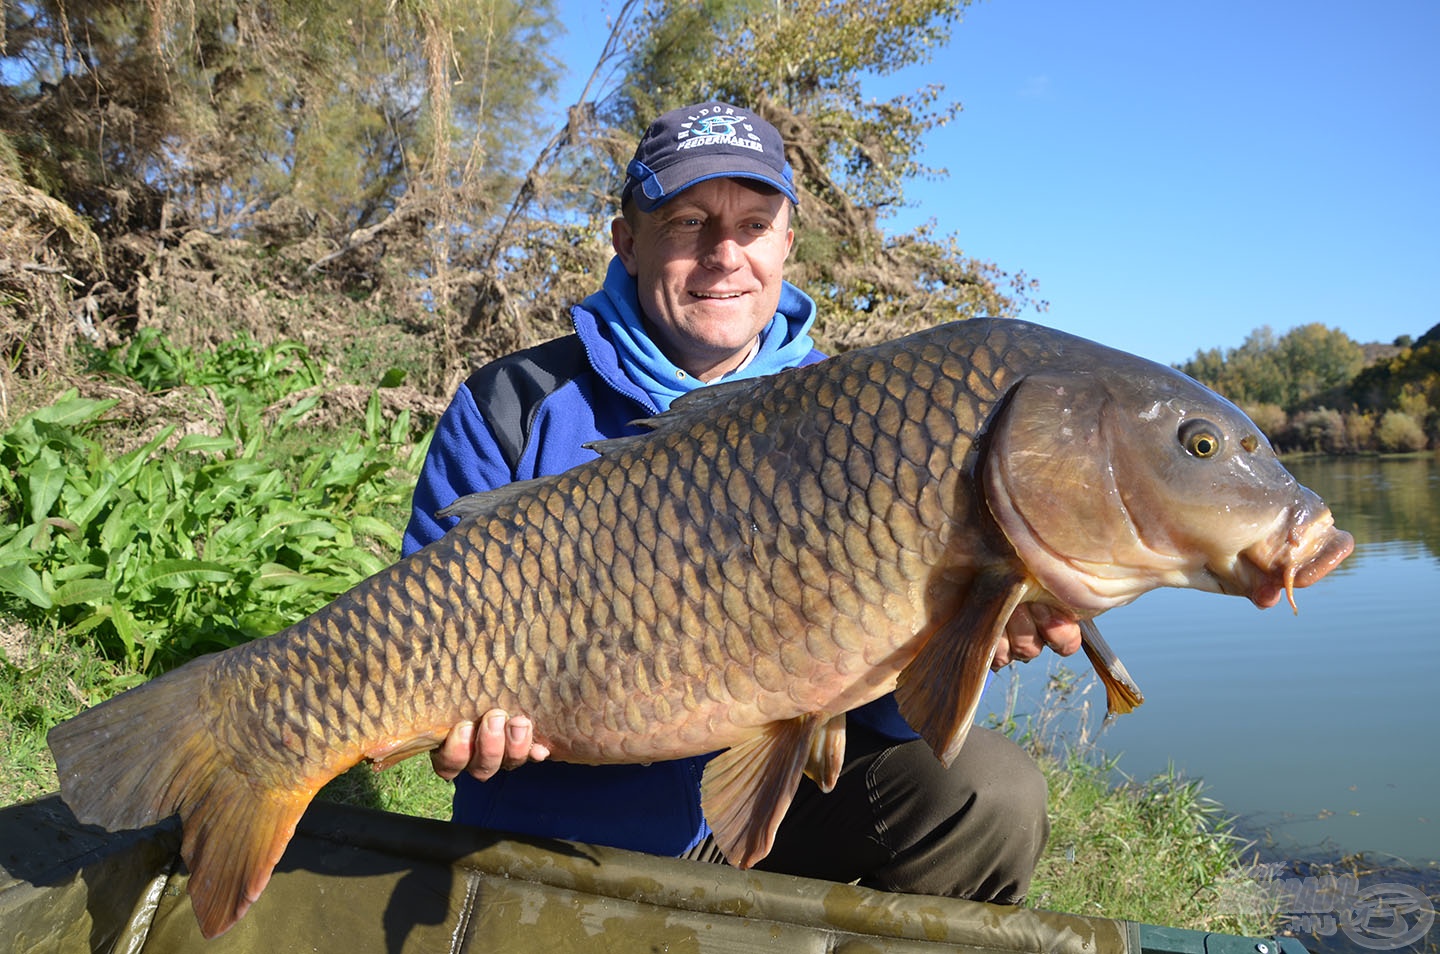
(1247, 374)
(218, 109)
(1413, 374)
(284, 165)
(1306, 363)
(361, 145)
(1313, 359)
(799, 64)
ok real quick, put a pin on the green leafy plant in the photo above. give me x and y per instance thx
(242, 370)
(183, 546)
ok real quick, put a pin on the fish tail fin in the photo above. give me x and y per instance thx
(149, 753)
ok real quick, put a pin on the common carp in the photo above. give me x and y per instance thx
(766, 556)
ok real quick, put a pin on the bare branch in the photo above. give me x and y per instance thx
(579, 117)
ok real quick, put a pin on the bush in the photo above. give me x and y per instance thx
(1360, 430)
(1270, 418)
(1320, 430)
(193, 542)
(1399, 433)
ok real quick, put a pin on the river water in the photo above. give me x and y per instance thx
(1317, 729)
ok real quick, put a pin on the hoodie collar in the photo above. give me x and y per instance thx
(784, 342)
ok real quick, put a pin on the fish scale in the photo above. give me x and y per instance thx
(767, 556)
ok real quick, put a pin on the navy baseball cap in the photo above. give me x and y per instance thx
(705, 141)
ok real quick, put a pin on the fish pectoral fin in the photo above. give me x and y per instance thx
(1122, 695)
(939, 691)
(384, 756)
(746, 789)
(827, 753)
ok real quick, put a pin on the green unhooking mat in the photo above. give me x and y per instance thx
(356, 881)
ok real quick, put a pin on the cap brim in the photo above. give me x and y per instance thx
(693, 169)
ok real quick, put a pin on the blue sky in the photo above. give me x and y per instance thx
(1179, 174)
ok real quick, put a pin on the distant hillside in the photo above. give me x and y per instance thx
(1374, 351)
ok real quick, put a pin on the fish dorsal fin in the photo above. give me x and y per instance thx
(939, 691)
(702, 403)
(1121, 693)
(487, 502)
(698, 404)
(612, 446)
(746, 789)
(703, 400)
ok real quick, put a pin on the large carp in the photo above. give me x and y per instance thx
(767, 556)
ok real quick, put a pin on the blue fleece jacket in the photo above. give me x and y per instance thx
(528, 415)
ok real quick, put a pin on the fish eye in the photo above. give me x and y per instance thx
(1200, 438)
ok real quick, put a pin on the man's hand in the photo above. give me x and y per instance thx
(1031, 628)
(498, 741)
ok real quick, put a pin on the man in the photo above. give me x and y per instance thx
(695, 295)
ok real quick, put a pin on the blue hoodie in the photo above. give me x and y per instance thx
(528, 415)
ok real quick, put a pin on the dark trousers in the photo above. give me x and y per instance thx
(900, 821)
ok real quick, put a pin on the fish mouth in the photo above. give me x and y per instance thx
(1308, 555)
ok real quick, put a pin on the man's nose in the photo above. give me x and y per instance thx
(721, 252)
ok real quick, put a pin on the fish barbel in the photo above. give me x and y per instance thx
(768, 555)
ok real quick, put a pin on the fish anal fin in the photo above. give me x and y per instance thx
(939, 691)
(827, 753)
(232, 842)
(1122, 695)
(746, 789)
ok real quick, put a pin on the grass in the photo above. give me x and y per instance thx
(1158, 851)
(46, 678)
(177, 513)
(43, 679)
(410, 788)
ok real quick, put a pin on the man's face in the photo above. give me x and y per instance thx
(707, 264)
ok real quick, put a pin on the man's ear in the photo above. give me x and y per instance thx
(623, 241)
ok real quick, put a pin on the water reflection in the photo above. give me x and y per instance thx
(1379, 500)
